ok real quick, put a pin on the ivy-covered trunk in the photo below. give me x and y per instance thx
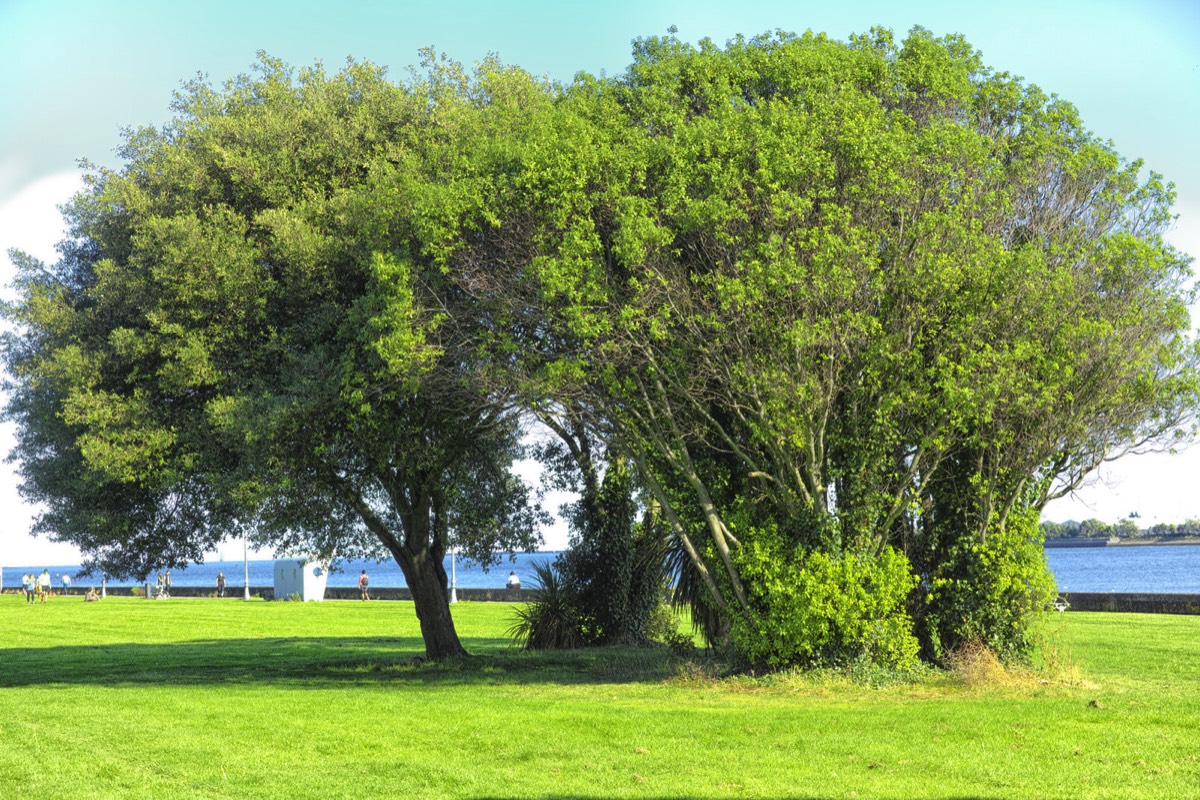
(615, 565)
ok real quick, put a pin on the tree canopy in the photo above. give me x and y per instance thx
(848, 313)
(249, 328)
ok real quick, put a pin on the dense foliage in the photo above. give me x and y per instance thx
(823, 609)
(841, 316)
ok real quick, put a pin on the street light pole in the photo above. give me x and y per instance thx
(453, 579)
(246, 566)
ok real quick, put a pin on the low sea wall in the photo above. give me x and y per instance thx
(1079, 601)
(1139, 603)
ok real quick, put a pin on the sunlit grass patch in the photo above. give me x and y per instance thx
(233, 699)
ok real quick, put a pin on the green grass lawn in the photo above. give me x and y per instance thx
(205, 698)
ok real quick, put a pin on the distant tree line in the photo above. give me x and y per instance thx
(1126, 528)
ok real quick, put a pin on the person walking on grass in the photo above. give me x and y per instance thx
(363, 583)
(27, 584)
(44, 584)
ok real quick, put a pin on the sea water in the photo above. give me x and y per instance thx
(1155, 569)
(1166, 569)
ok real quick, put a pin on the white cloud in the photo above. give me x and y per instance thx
(29, 221)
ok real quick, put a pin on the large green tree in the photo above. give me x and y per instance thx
(842, 301)
(249, 329)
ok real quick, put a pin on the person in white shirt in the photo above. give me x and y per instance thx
(513, 581)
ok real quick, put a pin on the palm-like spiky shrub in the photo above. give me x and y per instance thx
(689, 593)
(553, 619)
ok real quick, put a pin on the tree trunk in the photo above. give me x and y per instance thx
(426, 578)
(420, 559)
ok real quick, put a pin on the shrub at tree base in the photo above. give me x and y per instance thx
(991, 592)
(613, 568)
(817, 609)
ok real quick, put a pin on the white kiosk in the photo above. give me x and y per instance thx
(301, 577)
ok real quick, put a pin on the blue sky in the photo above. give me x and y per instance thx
(73, 73)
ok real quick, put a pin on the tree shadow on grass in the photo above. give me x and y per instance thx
(322, 662)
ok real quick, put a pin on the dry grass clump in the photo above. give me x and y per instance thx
(974, 665)
(977, 666)
(696, 672)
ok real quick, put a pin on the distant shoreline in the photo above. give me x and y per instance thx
(1116, 542)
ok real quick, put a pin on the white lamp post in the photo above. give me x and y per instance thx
(246, 566)
(453, 579)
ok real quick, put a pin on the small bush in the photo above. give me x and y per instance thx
(690, 671)
(680, 644)
(818, 610)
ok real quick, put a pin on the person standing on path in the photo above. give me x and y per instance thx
(220, 584)
(363, 582)
(66, 584)
(167, 584)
